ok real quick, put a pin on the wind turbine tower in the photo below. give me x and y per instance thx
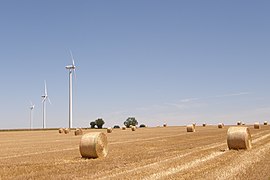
(44, 98)
(71, 69)
(32, 106)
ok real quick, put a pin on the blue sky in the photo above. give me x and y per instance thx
(161, 61)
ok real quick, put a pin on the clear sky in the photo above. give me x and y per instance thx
(161, 61)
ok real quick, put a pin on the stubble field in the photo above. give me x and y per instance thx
(147, 153)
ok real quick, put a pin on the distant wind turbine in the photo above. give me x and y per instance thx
(44, 98)
(32, 106)
(70, 68)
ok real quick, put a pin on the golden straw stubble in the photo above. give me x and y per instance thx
(94, 145)
(239, 138)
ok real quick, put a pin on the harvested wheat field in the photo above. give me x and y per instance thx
(147, 153)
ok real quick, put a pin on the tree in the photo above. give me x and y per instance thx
(142, 126)
(116, 126)
(99, 122)
(93, 124)
(131, 121)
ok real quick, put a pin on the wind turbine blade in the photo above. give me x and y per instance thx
(73, 63)
(49, 100)
(75, 77)
(45, 88)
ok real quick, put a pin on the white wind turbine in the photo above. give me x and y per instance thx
(44, 98)
(32, 106)
(70, 68)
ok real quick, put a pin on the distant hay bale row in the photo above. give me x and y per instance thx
(77, 132)
(94, 145)
(239, 138)
(190, 128)
(64, 130)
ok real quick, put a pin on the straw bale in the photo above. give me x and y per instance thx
(239, 123)
(133, 128)
(94, 145)
(61, 130)
(66, 130)
(78, 131)
(220, 125)
(239, 138)
(190, 128)
(109, 130)
(257, 125)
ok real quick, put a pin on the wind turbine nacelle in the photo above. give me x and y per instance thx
(70, 67)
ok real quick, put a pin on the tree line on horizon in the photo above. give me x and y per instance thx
(130, 121)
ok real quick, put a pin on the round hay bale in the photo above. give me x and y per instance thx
(265, 123)
(61, 130)
(204, 124)
(66, 130)
(94, 145)
(239, 123)
(220, 125)
(243, 123)
(257, 125)
(109, 130)
(239, 138)
(78, 131)
(190, 128)
(123, 127)
(133, 128)
(164, 125)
